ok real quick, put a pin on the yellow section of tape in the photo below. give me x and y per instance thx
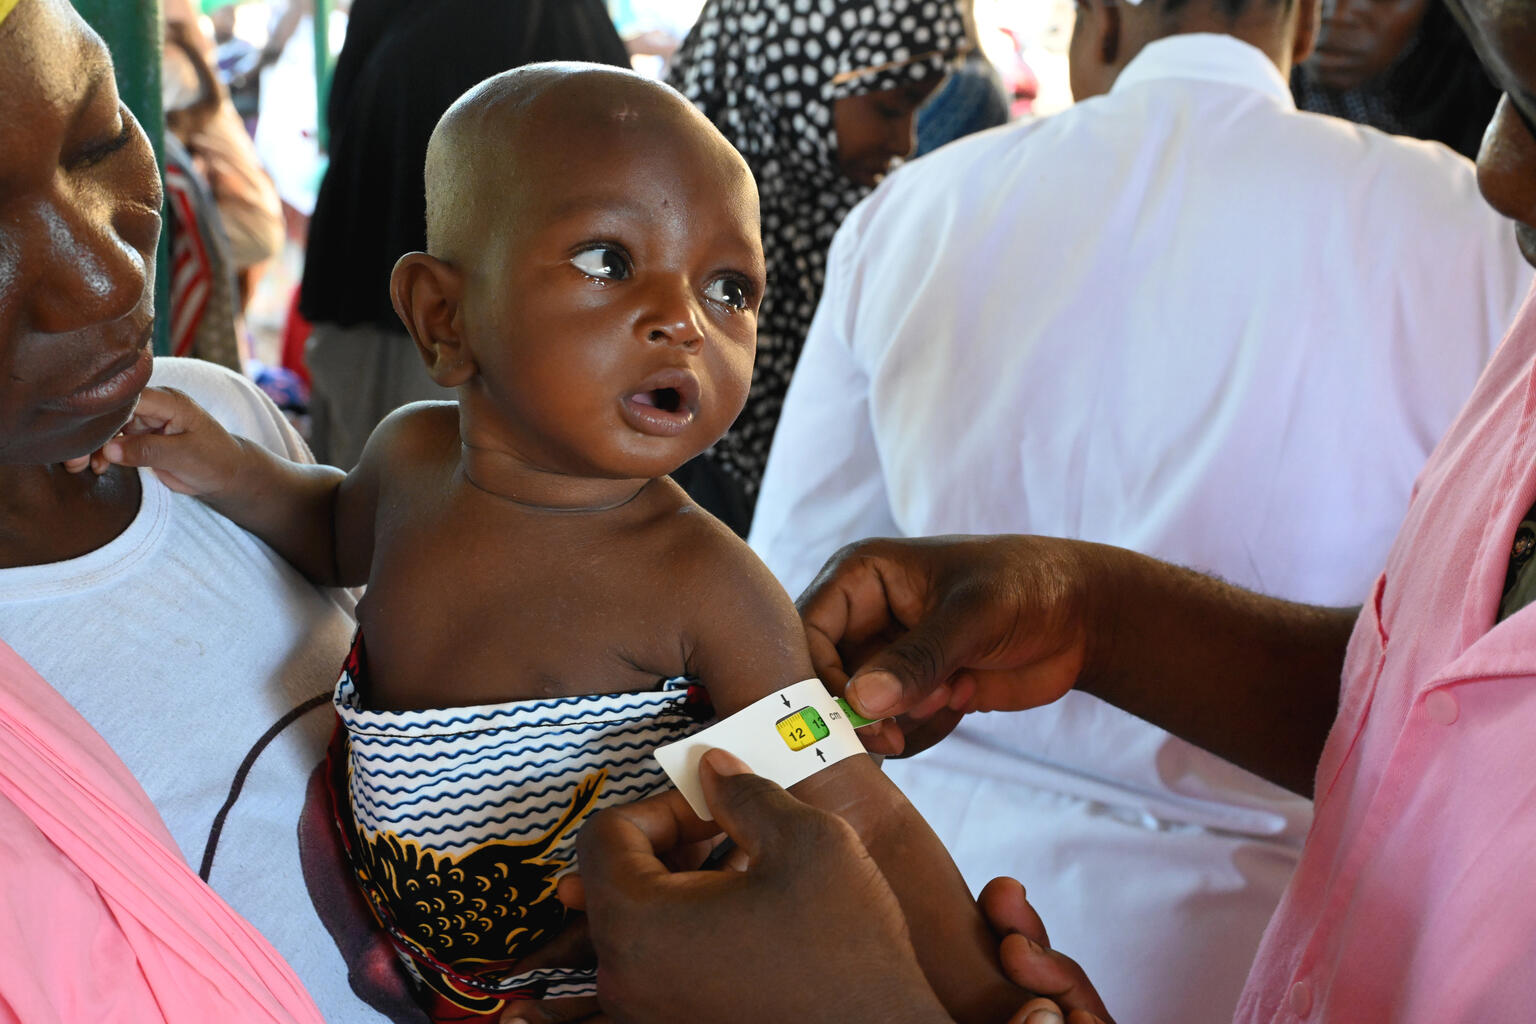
(6, 7)
(795, 731)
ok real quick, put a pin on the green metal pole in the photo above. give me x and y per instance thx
(131, 29)
(322, 70)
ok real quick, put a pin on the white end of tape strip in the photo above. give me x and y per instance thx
(787, 736)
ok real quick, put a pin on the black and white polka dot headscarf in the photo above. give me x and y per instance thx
(767, 72)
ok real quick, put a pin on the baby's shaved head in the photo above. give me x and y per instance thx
(478, 159)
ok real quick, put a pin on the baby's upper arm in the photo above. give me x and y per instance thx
(746, 640)
(395, 445)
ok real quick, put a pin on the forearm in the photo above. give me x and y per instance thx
(291, 507)
(1251, 678)
(955, 947)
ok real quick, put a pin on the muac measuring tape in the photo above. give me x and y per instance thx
(786, 736)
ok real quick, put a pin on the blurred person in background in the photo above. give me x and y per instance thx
(972, 99)
(236, 59)
(404, 62)
(653, 29)
(287, 129)
(1403, 66)
(200, 114)
(205, 320)
(820, 96)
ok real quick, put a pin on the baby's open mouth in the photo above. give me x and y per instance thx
(665, 399)
(665, 403)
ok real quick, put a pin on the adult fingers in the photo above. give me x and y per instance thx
(1045, 1010)
(1037, 968)
(572, 892)
(621, 846)
(884, 737)
(1004, 904)
(900, 621)
(866, 594)
(753, 811)
(555, 1011)
(920, 734)
(1038, 1011)
(915, 670)
(570, 947)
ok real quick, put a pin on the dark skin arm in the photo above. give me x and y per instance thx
(754, 645)
(317, 517)
(932, 629)
(856, 941)
(852, 960)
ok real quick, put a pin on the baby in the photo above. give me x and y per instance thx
(544, 605)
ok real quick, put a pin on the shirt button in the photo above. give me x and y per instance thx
(1441, 707)
(1301, 998)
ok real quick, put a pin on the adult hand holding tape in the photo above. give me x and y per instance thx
(931, 629)
(786, 736)
(810, 932)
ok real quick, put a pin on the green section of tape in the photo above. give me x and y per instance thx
(858, 721)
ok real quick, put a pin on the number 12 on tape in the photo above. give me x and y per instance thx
(787, 737)
(802, 728)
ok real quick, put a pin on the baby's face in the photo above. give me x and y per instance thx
(614, 317)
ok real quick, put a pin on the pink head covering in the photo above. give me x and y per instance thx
(100, 917)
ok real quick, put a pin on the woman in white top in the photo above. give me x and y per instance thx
(194, 650)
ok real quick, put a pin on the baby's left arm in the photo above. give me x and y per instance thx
(749, 643)
(291, 506)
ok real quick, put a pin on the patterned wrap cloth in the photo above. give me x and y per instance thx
(767, 73)
(459, 822)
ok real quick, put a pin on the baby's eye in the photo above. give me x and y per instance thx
(729, 291)
(602, 261)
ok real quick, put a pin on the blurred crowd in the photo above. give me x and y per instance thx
(246, 159)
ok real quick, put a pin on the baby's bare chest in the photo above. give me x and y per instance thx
(459, 617)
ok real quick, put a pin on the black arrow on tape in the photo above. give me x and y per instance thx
(784, 699)
(822, 756)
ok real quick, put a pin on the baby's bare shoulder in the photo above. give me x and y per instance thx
(421, 430)
(692, 538)
(743, 636)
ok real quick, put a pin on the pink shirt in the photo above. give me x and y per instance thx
(100, 918)
(1415, 898)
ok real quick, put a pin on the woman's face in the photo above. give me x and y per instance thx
(1359, 39)
(875, 128)
(79, 219)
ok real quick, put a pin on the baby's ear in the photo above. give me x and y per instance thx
(427, 293)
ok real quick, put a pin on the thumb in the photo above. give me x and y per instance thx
(915, 673)
(749, 808)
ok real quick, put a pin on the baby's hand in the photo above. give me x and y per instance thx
(188, 449)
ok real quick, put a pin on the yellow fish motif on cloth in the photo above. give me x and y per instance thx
(478, 912)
